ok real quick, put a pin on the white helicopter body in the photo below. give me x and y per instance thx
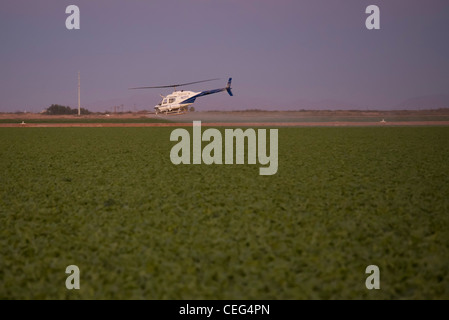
(179, 100)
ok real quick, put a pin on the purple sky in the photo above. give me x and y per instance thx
(282, 54)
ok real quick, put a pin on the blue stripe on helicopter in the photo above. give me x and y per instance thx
(203, 93)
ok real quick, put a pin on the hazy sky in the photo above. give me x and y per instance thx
(280, 53)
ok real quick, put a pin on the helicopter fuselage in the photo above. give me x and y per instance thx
(178, 101)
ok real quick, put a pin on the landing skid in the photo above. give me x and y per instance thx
(173, 112)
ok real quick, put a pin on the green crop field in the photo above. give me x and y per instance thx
(110, 201)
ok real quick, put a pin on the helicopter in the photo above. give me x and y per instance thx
(178, 101)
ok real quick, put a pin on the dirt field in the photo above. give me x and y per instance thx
(239, 118)
(232, 124)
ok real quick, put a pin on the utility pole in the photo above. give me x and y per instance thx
(79, 95)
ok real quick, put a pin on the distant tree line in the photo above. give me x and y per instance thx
(58, 109)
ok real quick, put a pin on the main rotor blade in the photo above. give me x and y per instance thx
(175, 85)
